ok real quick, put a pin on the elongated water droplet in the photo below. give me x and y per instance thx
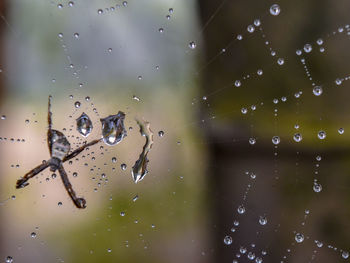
(113, 130)
(84, 125)
(139, 170)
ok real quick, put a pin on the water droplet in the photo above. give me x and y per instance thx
(136, 98)
(59, 203)
(33, 235)
(100, 11)
(135, 198)
(161, 133)
(171, 10)
(338, 82)
(161, 30)
(298, 52)
(317, 187)
(8, 259)
(241, 209)
(244, 110)
(113, 130)
(239, 37)
(257, 22)
(60, 6)
(122, 213)
(123, 166)
(280, 61)
(139, 170)
(77, 104)
(192, 45)
(321, 135)
(251, 255)
(109, 250)
(341, 130)
(297, 137)
(252, 141)
(76, 35)
(75, 174)
(299, 237)
(84, 125)
(168, 17)
(3, 117)
(276, 140)
(238, 83)
(262, 220)
(319, 41)
(260, 72)
(307, 48)
(71, 4)
(317, 90)
(250, 28)
(125, 3)
(275, 10)
(228, 240)
(114, 160)
(345, 254)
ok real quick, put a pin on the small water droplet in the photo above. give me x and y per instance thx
(161, 30)
(77, 104)
(317, 187)
(345, 254)
(228, 240)
(241, 209)
(136, 98)
(262, 220)
(122, 213)
(341, 130)
(192, 45)
(275, 10)
(321, 135)
(299, 237)
(33, 235)
(307, 48)
(123, 166)
(76, 35)
(161, 133)
(238, 83)
(317, 90)
(276, 140)
(8, 259)
(297, 137)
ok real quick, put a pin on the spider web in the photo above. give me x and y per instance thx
(250, 131)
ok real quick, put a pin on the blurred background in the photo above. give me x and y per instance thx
(249, 159)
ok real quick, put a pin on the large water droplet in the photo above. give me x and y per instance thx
(139, 170)
(113, 130)
(84, 125)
